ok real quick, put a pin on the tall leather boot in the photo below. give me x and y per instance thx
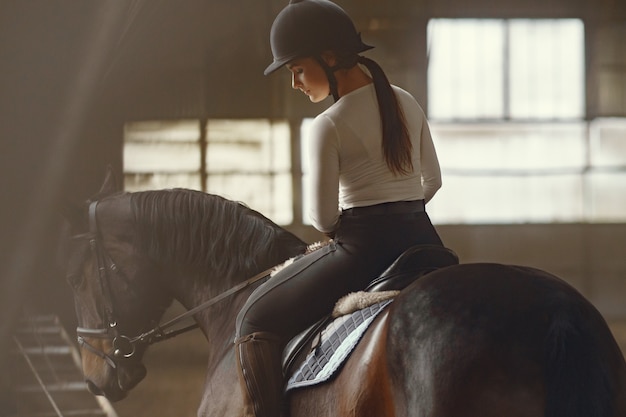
(260, 374)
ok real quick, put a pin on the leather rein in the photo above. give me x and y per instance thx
(124, 347)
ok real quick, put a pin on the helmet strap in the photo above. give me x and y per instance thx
(330, 74)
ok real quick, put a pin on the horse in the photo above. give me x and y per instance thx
(479, 339)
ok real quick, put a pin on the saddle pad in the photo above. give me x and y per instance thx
(337, 341)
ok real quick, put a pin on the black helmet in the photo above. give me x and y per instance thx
(309, 27)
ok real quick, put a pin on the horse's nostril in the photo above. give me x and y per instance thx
(93, 388)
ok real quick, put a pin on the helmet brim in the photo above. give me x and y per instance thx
(278, 63)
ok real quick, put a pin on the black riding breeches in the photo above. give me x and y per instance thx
(305, 291)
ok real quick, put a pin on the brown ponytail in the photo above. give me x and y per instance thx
(397, 147)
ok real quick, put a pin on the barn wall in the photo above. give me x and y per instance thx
(197, 58)
(227, 81)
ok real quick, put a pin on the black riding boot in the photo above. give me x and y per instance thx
(260, 374)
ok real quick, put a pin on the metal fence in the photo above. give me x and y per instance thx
(46, 374)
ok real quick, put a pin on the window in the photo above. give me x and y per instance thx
(510, 172)
(243, 160)
(304, 158)
(161, 154)
(506, 109)
(606, 179)
(520, 69)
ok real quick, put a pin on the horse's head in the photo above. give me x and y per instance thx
(114, 293)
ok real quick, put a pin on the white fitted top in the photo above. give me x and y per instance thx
(347, 165)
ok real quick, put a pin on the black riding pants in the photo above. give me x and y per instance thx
(305, 291)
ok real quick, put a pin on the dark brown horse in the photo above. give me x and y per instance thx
(467, 340)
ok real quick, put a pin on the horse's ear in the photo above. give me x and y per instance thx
(75, 215)
(110, 185)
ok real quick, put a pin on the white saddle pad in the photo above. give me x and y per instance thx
(337, 341)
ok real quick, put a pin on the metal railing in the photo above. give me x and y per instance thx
(46, 373)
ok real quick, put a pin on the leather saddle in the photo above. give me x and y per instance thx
(412, 264)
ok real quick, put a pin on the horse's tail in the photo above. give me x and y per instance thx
(577, 379)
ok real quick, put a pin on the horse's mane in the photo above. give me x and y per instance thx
(203, 231)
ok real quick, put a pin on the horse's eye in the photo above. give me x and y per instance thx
(75, 280)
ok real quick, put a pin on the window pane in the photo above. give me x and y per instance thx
(250, 161)
(270, 195)
(304, 162)
(161, 154)
(153, 181)
(501, 69)
(161, 157)
(282, 202)
(247, 145)
(247, 160)
(608, 143)
(465, 68)
(166, 131)
(531, 172)
(510, 172)
(500, 147)
(607, 179)
(508, 199)
(547, 68)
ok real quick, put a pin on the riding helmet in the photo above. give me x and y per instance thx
(308, 28)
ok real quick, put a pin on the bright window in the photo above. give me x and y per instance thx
(505, 69)
(506, 104)
(304, 157)
(510, 172)
(244, 160)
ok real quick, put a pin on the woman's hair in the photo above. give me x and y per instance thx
(397, 146)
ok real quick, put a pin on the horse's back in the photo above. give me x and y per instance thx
(479, 340)
(489, 339)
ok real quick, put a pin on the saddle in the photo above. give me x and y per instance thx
(412, 264)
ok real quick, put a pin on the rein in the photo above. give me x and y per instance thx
(157, 334)
(124, 347)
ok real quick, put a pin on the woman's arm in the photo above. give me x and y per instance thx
(324, 174)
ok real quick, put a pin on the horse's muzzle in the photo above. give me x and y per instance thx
(119, 382)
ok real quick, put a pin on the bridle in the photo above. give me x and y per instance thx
(125, 347)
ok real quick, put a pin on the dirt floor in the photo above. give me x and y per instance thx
(176, 370)
(173, 386)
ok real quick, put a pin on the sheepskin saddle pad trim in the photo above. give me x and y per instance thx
(336, 343)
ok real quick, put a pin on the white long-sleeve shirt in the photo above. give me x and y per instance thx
(347, 165)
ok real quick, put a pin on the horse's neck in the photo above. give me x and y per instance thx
(194, 287)
(218, 325)
(221, 389)
(217, 321)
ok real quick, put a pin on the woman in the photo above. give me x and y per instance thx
(373, 168)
